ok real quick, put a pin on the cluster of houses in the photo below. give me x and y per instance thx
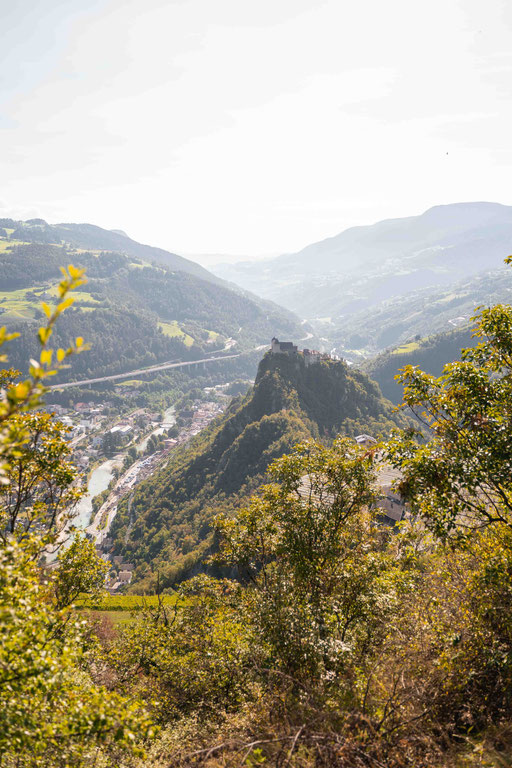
(80, 420)
(88, 424)
(202, 414)
(390, 503)
(120, 574)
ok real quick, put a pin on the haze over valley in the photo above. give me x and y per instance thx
(341, 284)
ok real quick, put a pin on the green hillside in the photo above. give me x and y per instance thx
(431, 354)
(133, 314)
(91, 237)
(421, 312)
(166, 528)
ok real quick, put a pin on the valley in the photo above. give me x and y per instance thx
(373, 287)
(244, 497)
(134, 313)
(116, 454)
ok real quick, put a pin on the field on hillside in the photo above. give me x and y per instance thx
(173, 330)
(122, 609)
(406, 348)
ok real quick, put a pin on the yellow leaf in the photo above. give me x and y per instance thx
(74, 272)
(44, 334)
(21, 390)
(46, 309)
(65, 304)
(46, 357)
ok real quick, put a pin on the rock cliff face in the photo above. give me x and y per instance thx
(227, 462)
(328, 393)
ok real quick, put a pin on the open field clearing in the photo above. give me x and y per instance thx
(79, 296)
(406, 348)
(173, 330)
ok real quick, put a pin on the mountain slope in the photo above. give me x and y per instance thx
(95, 238)
(131, 314)
(434, 237)
(418, 313)
(430, 354)
(365, 265)
(167, 525)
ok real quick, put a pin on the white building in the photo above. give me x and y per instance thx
(125, 577)
(366, 441)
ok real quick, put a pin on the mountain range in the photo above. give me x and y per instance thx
(364, 266)
(140, 306)
(91, 237)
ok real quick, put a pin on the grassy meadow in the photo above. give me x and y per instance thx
(174, 330)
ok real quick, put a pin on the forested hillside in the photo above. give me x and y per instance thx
(431, 354)
(90, 237)
(421, 312)
(131, 313)
(166, 526)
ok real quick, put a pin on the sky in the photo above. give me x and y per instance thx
(251, 127)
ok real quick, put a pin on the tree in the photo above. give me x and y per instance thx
(52, 713)
(314, 555)
(111, 442)
(286, 662)
(80, 571)
(461, 479)
(41, 482)
(458, 482)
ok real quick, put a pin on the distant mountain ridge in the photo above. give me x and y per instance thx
(133, 314)
(364, 265)
(441, 226)
(90, 236)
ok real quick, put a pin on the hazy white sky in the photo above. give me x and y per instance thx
(251, 126)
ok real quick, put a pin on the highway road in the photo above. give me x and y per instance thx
(141, 372)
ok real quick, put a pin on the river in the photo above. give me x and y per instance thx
(100, 477)
(98, 482)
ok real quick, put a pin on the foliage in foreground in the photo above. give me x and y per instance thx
(52, 712)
